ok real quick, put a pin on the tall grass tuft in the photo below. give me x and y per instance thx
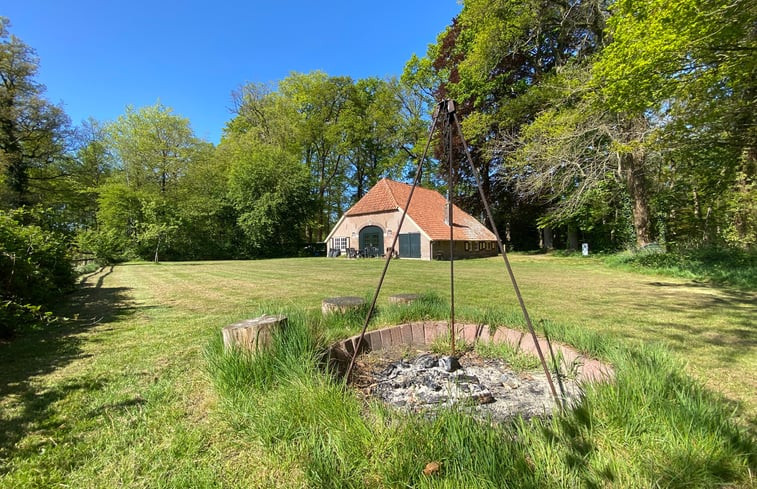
(652, 427)
(428, 305)
(294, 352)
(725, 266)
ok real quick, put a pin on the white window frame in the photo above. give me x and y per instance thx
(340, 243)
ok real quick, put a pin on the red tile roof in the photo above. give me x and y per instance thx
(427, 210)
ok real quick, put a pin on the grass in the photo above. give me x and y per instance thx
(133, 395)
(730, 267)
(653, 426)
(517, 360)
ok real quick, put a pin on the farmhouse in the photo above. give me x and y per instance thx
(368, 227)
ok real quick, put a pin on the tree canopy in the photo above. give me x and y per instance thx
(608, 116)
(33, 132)
(620, 122)
(629, 122)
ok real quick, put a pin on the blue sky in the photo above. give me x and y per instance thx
(97, 57)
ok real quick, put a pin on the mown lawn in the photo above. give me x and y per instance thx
(122, 395)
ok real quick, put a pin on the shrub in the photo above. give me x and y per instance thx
(35, 268)
(106, 244)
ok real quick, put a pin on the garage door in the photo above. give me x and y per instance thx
(410, 245)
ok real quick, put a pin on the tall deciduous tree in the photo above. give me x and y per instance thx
(153, 146)
(346, 134)
(32, 130)
(493, 60)
(90, 168)
(667, 109)
(271, 191)
(689, 67)
(142, 202)
(373, 128)
(576, 148)
(320, 101)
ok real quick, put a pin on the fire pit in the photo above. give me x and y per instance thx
(395, 366)
(488, 388)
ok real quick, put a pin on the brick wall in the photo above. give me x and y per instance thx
(464, 249)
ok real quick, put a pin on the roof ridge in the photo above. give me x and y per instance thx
(387, 181)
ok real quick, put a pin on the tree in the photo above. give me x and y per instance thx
(320, 101)
(32, 130)
(689, 66)
(73, 191)
(208, 218)
(119, 216)
(271, 192)
(158, 226)
(140, 205)
(373, 129)
(493, 60)
(667, 110)
(574, 151)
(90, 168)
(266, 115)
(347, 134)
(153, 146)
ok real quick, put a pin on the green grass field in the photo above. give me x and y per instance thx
(123, 394)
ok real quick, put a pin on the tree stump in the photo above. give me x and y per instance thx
(341, 304)
(252, 334)
(403, 298)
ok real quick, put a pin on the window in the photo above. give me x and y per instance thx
(340, 243)
(475, 246)
(482, 245)
(467, 246)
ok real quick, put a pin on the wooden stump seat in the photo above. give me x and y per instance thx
(403, 298)
(252, 334)
(341, 304)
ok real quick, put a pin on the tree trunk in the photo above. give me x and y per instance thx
(157, 247)
(632, 169)
(547, 239)
(572, 237)
(744, 221)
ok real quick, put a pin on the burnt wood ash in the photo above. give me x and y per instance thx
(487, 387)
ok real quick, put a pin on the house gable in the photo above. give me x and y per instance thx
(427, 210)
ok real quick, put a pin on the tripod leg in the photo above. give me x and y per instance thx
(507, 261)
(388, 259)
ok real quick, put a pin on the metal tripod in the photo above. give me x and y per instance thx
(445, 111)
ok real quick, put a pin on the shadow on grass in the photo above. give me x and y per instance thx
(28, 405)
(688, 435)
(741, 306)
